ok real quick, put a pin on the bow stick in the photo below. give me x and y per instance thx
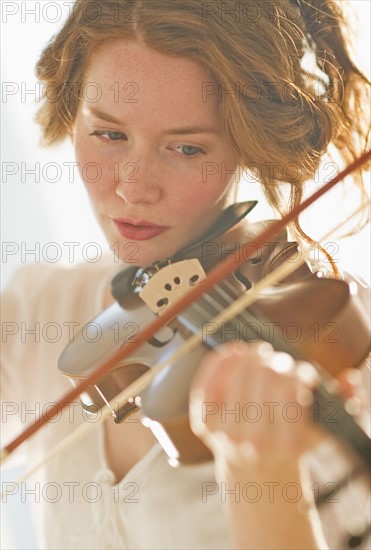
(215, 275)
(143, 381)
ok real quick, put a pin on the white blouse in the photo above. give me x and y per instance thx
(75, 501)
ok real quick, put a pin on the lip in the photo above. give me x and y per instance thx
(138, 230)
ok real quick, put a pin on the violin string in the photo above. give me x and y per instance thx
(217, 273)
(207, 307)
(128, 392)
(134, 389)
(144, 380)
(342, 483)
(258, 328)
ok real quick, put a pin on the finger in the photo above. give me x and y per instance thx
(351, 389)
(211, 385)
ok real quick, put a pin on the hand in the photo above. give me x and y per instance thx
(251, 403)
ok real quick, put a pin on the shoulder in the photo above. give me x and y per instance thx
(42, 308)
(40, 288)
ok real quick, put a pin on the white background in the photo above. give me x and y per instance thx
(36, 210)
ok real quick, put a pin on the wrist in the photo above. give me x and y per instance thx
(283, 486)
(269, 507)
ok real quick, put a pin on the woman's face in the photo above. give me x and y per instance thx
(153, 156)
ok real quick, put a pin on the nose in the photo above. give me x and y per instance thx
(137, 182)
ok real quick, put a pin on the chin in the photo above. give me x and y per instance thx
(132, 253)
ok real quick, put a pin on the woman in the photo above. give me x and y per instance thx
(165, 102)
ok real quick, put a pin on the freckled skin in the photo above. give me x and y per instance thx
(161, 179)
(147, 172)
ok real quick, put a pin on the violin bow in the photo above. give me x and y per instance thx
(143, 381)
(214, 276)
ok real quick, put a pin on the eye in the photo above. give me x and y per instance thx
(108, 135)
(189, 150)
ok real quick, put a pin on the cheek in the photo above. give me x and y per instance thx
(204, 193)
(198, 207)
(95, 174)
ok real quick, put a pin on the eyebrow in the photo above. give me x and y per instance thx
(174, 131)
(104, 116)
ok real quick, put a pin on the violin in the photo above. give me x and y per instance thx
(159, 332)
(307, 315)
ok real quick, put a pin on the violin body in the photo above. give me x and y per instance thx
(311, 317)
(118, 325)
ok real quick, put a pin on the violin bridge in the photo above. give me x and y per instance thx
(171, 283)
